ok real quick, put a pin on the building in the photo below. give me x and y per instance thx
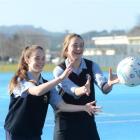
(109, 50)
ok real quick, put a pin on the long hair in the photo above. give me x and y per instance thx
(22, 69)
(66, 43)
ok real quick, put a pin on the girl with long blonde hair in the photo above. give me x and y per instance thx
(30, 95)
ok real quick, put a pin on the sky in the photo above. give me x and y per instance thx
(77, 16)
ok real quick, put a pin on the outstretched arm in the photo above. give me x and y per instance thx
(43, 88)
(90, 107)
(112, 79)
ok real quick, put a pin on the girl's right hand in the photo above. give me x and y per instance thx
(85, 89)
(87, 85)
(91, 108)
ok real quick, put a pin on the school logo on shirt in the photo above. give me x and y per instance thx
(45, 98)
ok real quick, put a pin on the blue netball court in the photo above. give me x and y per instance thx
(119, 119)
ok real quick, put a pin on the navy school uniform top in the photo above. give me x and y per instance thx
(26, 115)
(77, 125)
(69, 86)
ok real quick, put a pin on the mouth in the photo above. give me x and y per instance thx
(40, 66)
(77, 53)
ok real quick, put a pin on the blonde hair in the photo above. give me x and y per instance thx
(22, 69)
(66, 43)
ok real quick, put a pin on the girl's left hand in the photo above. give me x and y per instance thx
(91, 108)
(113, 78)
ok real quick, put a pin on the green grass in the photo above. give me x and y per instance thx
(13, 67)
(47, 68)
(106, 69)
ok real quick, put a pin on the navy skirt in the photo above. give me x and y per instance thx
(9, 136)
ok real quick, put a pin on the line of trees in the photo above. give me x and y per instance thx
(14, 38)
(11, 44)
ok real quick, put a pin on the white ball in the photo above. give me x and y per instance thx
(128, 71)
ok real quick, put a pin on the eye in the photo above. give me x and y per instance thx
(75, 45)
(78, 46)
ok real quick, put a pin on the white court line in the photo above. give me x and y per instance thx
(103, 114)
(118, 121)
(118, 101)
(105, 122)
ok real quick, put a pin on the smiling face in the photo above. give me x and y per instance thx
(75, 49)
(36, 61)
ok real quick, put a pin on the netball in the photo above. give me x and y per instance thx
(128, 71)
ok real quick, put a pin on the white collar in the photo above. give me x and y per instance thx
(30, 76)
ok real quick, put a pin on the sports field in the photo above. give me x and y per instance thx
(120, 119)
